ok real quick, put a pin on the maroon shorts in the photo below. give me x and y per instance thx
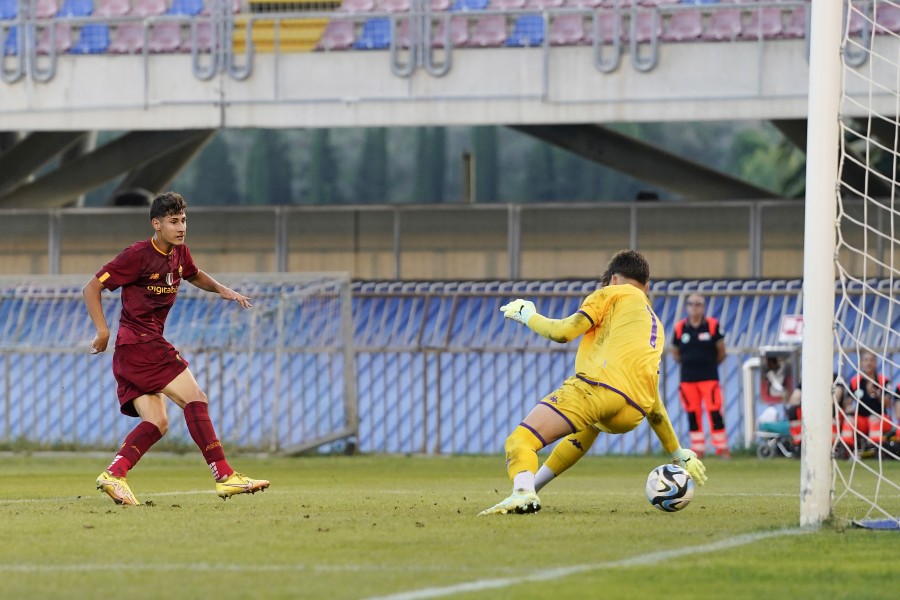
(144, 369)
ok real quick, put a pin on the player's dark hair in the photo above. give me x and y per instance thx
(630, 264)
(167, 204)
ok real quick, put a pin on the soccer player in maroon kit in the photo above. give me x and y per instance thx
(699, 346)
(147, 368)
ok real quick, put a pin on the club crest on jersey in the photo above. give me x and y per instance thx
(170, 278)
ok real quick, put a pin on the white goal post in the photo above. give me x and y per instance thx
(818, 256)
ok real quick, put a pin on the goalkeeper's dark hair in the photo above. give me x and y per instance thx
(630, 264)
(167, 204)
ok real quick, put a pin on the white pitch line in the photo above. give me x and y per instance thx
(234, 568)
(480, 585)
(101, 496)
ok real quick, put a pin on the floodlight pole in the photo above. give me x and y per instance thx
(822, 188)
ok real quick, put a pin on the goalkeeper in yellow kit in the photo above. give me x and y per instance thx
(615, 386)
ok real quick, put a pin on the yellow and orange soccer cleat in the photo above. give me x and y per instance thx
(117, 489)
(238, 483)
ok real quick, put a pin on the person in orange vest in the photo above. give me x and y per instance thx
(699, 346)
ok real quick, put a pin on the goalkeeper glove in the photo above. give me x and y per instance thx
(693, 465)
(518, 310)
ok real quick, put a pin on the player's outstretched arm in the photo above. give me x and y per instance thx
(205, 282)
(92, 291)
(558, 330)
(662, 426)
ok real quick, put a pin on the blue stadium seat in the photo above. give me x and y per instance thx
(76, 8)
(11, 44)
(528, 30)
(186, 7)
(466, 5)
(8, 9)
(94, 39)
(376, 35)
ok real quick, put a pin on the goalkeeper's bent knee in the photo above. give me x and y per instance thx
(521, 451)
(570, 450)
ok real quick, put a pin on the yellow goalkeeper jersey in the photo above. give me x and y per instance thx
(624, 347)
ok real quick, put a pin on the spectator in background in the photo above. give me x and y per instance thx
(869, 417)
(699, 346)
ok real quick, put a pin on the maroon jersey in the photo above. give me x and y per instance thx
(149, 280)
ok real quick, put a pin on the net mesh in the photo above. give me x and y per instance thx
(867, 317)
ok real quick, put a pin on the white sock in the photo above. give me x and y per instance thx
(523, 482)
(543, 477)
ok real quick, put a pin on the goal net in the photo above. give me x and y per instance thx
(866, 459)
(279, 377)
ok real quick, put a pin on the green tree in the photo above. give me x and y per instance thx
(268, 170)
(371, 174)
(323, 170)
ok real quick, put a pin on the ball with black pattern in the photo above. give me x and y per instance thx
(669, 488)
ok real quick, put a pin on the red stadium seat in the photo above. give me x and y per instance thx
(887, 18)
(165, 37)
(566, 30)
(357, 6)
(112, 8)
(489, 31)
(647, 25)
(458, 32)
(440, 5)
(393, 5)
(147, 8)
(128, 38)
(683, 26)
(764, 22)
(797, 23)
(506, 4)
(46, 9)
(204, 38)
(62, 41)
(723, 25)
(338, 35)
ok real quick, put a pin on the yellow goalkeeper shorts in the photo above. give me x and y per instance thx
(584, 404)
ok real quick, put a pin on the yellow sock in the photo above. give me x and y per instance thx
(521, 451)
(570, 450)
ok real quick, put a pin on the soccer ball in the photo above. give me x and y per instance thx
(669, 488)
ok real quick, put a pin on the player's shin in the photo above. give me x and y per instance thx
(567, 453)
(521, 457)
(196, 415)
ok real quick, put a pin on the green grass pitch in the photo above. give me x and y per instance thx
(406, 527)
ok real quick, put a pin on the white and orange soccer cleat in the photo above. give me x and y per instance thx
(117, 489)
(238, 483)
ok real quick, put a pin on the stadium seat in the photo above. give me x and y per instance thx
(542, 4)
(440, 5)
(489, 31)
(8, 9)
(683, 26)
(657, 2)
(46, 9)
(375, 35)
(148, 8)
(506, 4)
(647, 25)
(112, 8)
(357, 6)
(59, 37)
(393, 5)
(699, 2)
(186, 7)
(566, 30)
(887, 17)
(209, 5)
(93, 39)
(202, 36)
(763, 22)
(164, 37)
(11, 41)
(528, 31)
(458, 32)
(797, 23)
(338, 35)
(467, 5)
(76, 8)
(724, 25)
(128, 38)
(607, 27)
